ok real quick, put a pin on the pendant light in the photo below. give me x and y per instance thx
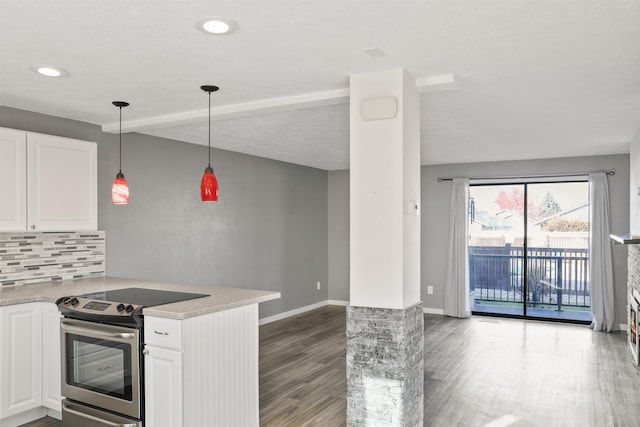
(209, 183)
(120, 189)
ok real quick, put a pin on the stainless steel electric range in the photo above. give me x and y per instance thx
(102, 338)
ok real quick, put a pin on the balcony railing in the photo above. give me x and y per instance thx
(556, 278)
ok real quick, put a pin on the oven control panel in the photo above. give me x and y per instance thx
(91, 306)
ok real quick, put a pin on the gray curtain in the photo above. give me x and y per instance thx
(601, 269)
(456, 290)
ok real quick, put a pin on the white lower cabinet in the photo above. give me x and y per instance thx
(51, 388)
(29, 362)
(163, 398)
(20, 358)
(202, 371)
(163, 372)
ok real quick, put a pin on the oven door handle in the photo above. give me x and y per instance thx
(68, 326)
(95, 419)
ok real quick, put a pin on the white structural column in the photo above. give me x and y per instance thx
(384, 189)
(385, 326)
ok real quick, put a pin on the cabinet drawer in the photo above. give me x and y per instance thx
(163, 332)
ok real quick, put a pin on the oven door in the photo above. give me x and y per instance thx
(100, 365)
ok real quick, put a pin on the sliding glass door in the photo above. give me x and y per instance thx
(528, 250)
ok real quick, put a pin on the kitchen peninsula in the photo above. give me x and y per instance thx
(200, 356)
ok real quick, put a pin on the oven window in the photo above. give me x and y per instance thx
(99, 365)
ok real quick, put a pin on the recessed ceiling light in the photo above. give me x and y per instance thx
(216, 25)
(49, 71)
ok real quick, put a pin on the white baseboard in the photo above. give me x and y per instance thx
(24, 417)
(623, 326)
(306, 308)
(293, 312)
(280, 316)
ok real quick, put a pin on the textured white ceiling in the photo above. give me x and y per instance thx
(535, 78)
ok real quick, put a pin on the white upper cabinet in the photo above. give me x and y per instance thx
(55, 188)
(62, 182)
(13, 180)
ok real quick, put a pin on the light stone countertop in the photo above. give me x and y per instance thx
(219, 299)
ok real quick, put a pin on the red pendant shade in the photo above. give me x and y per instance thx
(120, 190)
(209, 186)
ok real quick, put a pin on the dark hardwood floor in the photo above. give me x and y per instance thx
(44, 422)
(302, 369)
(480, 372)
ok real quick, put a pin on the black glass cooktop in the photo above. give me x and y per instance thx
(143, 297)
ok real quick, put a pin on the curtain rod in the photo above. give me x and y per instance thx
(559, 175)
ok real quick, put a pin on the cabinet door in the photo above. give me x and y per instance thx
(51, 388)
(163, 387)
(61, 183)
(20, 358)
(13, 180)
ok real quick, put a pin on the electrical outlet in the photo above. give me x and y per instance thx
(430, 290)
(318, 285)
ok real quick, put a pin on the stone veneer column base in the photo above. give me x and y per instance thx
(633, 264)
(385, 366)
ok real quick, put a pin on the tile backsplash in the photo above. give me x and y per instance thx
(41, 257)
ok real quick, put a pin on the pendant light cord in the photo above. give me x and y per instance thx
(209, 89)
(120, 165)
(209, 164)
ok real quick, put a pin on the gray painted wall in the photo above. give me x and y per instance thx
(267, 231)
(338, 219)
(435, 217)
